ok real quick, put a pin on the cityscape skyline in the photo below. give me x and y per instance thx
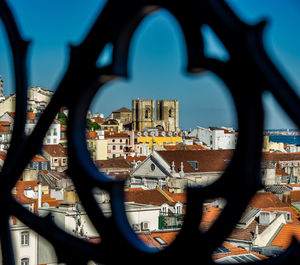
(157, 48)
(166, 155)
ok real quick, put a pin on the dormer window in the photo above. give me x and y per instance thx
(194, 164)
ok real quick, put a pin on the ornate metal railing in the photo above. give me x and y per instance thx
(248, 73)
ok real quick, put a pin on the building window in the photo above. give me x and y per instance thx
(113, 140)
(54, 141)
(55, 160)
(64, 160)
(48, 141)
(114, 147)
(120, 140)
(170, 113)
(25, 238)
(146, 114)
(25, 261)
(121, 147)
(54, 132)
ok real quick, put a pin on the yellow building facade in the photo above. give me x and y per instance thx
(159, 140)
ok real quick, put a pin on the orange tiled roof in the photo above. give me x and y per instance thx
(295, 216)
(167, 236)
(208, 160)
(2, 155)
(184, 147)
(266, 200)
(248, 233)
(38, 159)
(131, 159)
(5, 123)
(11, 114)
(281, 172)
(3, 129)
(295, 196)
(30, 115)
(267, 156)
(117, 163)
(210, 214)
(20, 186)
(99, 120)
(110, 122)
(21, 198)
(123, 109)
(178, 197)
(153, 197)
(284, 237)
(114, 134)
(91, 135)
(55, 150)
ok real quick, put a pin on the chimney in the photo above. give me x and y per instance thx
(181, 173)
(39, 195)
(172, 167)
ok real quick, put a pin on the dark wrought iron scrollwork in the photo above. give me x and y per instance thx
(248, 73)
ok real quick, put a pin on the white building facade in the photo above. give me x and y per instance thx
(215, 138)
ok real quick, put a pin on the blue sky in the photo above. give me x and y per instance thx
(157, 57)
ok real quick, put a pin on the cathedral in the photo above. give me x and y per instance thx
(166, 118)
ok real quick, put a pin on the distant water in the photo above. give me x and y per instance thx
(286, 139)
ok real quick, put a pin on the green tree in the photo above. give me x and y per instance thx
(92, 125)
(62, 117)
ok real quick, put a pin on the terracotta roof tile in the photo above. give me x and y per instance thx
(99, 120)
(265, 200)
(295, 216)
(178, 197)
(135, 158)
(295, 196)
(184, 147)
(153, 197)
(55, 150)
(39, 159)
(166, 236)
(284, 237)
(281, 172)
(5, 123)
(123, 109)
(208, 160)
(117, 163)
(114, 134)
(3, 129)
(248, 233)
(110, 122)
(91, 135)
(267, 156)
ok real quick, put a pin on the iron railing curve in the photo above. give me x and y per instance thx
(248, 73)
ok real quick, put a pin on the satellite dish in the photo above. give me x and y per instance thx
(170, 134)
